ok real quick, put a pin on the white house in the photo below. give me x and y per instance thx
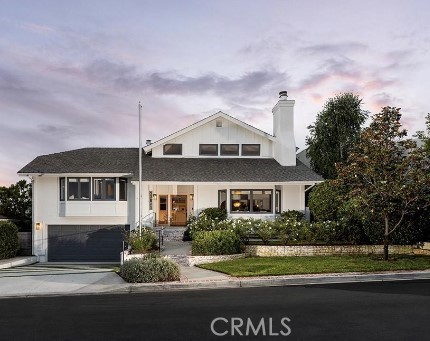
(83, 198)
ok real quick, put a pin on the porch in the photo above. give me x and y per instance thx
(174, 203)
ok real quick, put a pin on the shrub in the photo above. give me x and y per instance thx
(327, 232)
(9, 244)
(292, 214)
(265, 230)
(187, 235)
(215, 213)
(149, 269)
(142, 242)
(215, 243)
(291, 230)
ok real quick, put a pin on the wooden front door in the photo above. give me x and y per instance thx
(178, 214)
(162, 210)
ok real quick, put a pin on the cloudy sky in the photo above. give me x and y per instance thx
(72, 72)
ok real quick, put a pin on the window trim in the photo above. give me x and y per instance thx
(219, 198)
(251, 199)
(208, 144)
(170, 144)
(229, 144)
(103, 189)
(124, 180)
(251, 144)
(278, 203)
(79, 188)
(62, 198)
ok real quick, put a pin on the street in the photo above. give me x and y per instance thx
(355, 311)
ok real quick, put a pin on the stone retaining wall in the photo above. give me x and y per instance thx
(324, 250)
(196, 260)
(185, 259)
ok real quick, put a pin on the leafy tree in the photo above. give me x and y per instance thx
(335, 132)
(388, 175)
(15, 201)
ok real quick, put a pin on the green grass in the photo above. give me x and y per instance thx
(272, 266)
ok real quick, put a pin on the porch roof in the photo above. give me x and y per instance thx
(126, 161)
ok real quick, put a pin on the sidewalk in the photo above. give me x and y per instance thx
(54, 280)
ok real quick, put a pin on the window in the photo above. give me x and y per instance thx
(240, 201)
(123, 190)
(62, 189)
(172, 149)
(78, 188)
(251, 201)
(250, 150)
(222, 199)
(229, 149)
(104, 189)
(218, 123)
(277, 201)
(208, 149)
(262, 201)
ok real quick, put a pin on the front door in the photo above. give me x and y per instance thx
(162, 210)
(178, 214)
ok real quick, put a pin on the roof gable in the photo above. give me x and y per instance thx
(204, 121)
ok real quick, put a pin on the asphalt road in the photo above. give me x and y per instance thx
(355, 311)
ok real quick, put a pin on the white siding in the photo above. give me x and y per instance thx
(229, 133)
(47, 212)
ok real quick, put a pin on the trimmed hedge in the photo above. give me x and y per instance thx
(142, 242)
(9, 244)
(215, 213)
(149, 270)
(217, 242)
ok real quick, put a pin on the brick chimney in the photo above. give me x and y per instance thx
(283, 129)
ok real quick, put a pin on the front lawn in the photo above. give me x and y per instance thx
(272, 266)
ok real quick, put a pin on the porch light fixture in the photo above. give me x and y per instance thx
(191, 196)
(236, 204)
(154, 196)
(38, 226)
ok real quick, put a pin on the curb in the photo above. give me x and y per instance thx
(19, 261)
(134, 288)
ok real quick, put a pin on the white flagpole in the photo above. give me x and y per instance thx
(140, 168)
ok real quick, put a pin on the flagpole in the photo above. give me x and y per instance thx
(140, 168)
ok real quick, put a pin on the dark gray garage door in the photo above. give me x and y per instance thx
(85, 243)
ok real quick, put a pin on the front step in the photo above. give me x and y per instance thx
(173, 233)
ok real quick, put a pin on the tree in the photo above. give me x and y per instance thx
(15, 201)
(335, 132)
(388, 175)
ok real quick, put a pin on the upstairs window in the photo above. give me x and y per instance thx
(229, 149)
(172, 149)
(250, 150)
(123, 189)
(78, 188)
(208, 149)
(104, 189)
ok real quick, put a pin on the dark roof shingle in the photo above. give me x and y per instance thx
(126, 160)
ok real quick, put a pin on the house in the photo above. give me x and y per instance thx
(83, 199)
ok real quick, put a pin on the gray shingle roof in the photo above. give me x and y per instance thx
(126, 160)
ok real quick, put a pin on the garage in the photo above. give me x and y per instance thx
(85, 243)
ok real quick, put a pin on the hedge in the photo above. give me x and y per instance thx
(215, 243)
(149, 269)
(9, 244)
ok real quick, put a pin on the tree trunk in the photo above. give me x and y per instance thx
(386, 239)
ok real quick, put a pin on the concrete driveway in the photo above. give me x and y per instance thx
(58, 279)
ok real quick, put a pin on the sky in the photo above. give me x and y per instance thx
(72, 72)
